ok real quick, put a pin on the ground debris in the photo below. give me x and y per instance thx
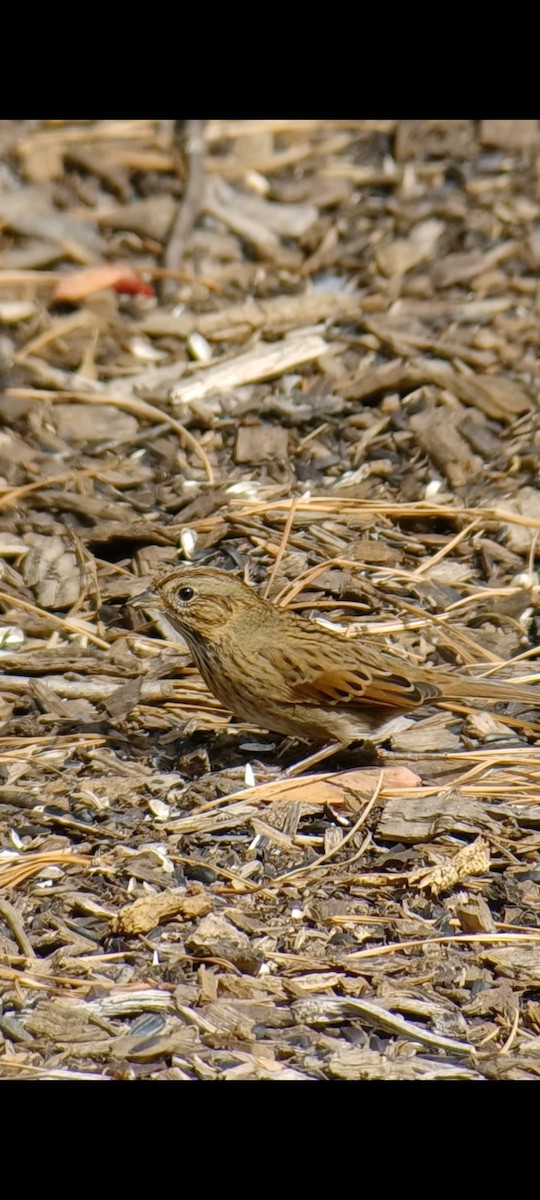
(303, 351)
(147, 912)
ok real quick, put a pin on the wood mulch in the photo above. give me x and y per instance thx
(306, 351)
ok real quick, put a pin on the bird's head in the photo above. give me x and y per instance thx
(200, 602)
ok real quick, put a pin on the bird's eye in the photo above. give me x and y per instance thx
(185, 594)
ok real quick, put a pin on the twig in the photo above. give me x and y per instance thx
(81, 628)
(484, 939)
(12, 918)
(282, 548)
(324, 858)
(445, 550)
(139, 408)
(14, 494)
(189, 208)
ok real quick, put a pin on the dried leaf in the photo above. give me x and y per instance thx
(79, 284)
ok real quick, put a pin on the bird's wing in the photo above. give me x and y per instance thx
(352, 687)
(324, 672)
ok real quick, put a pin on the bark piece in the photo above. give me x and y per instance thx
(417, 819)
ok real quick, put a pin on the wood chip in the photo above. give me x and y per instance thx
(439, 437)
(474, 915)
(257, 443)
(405, 253)
(93, 423)
(416, 819)
(470, 860)
(510, 134)
(148, 912)
(278, 312)
(52, 570)
(264, 362)
(526, 503)
(150, 218)
(519, 963)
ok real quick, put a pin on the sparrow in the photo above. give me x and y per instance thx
(293, 676)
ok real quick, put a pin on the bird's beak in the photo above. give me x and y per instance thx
(147, 599)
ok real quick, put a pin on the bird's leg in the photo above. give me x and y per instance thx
(324, 752)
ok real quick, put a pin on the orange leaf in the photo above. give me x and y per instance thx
(80, 284)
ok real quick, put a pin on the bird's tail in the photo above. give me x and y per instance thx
(487, 689)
